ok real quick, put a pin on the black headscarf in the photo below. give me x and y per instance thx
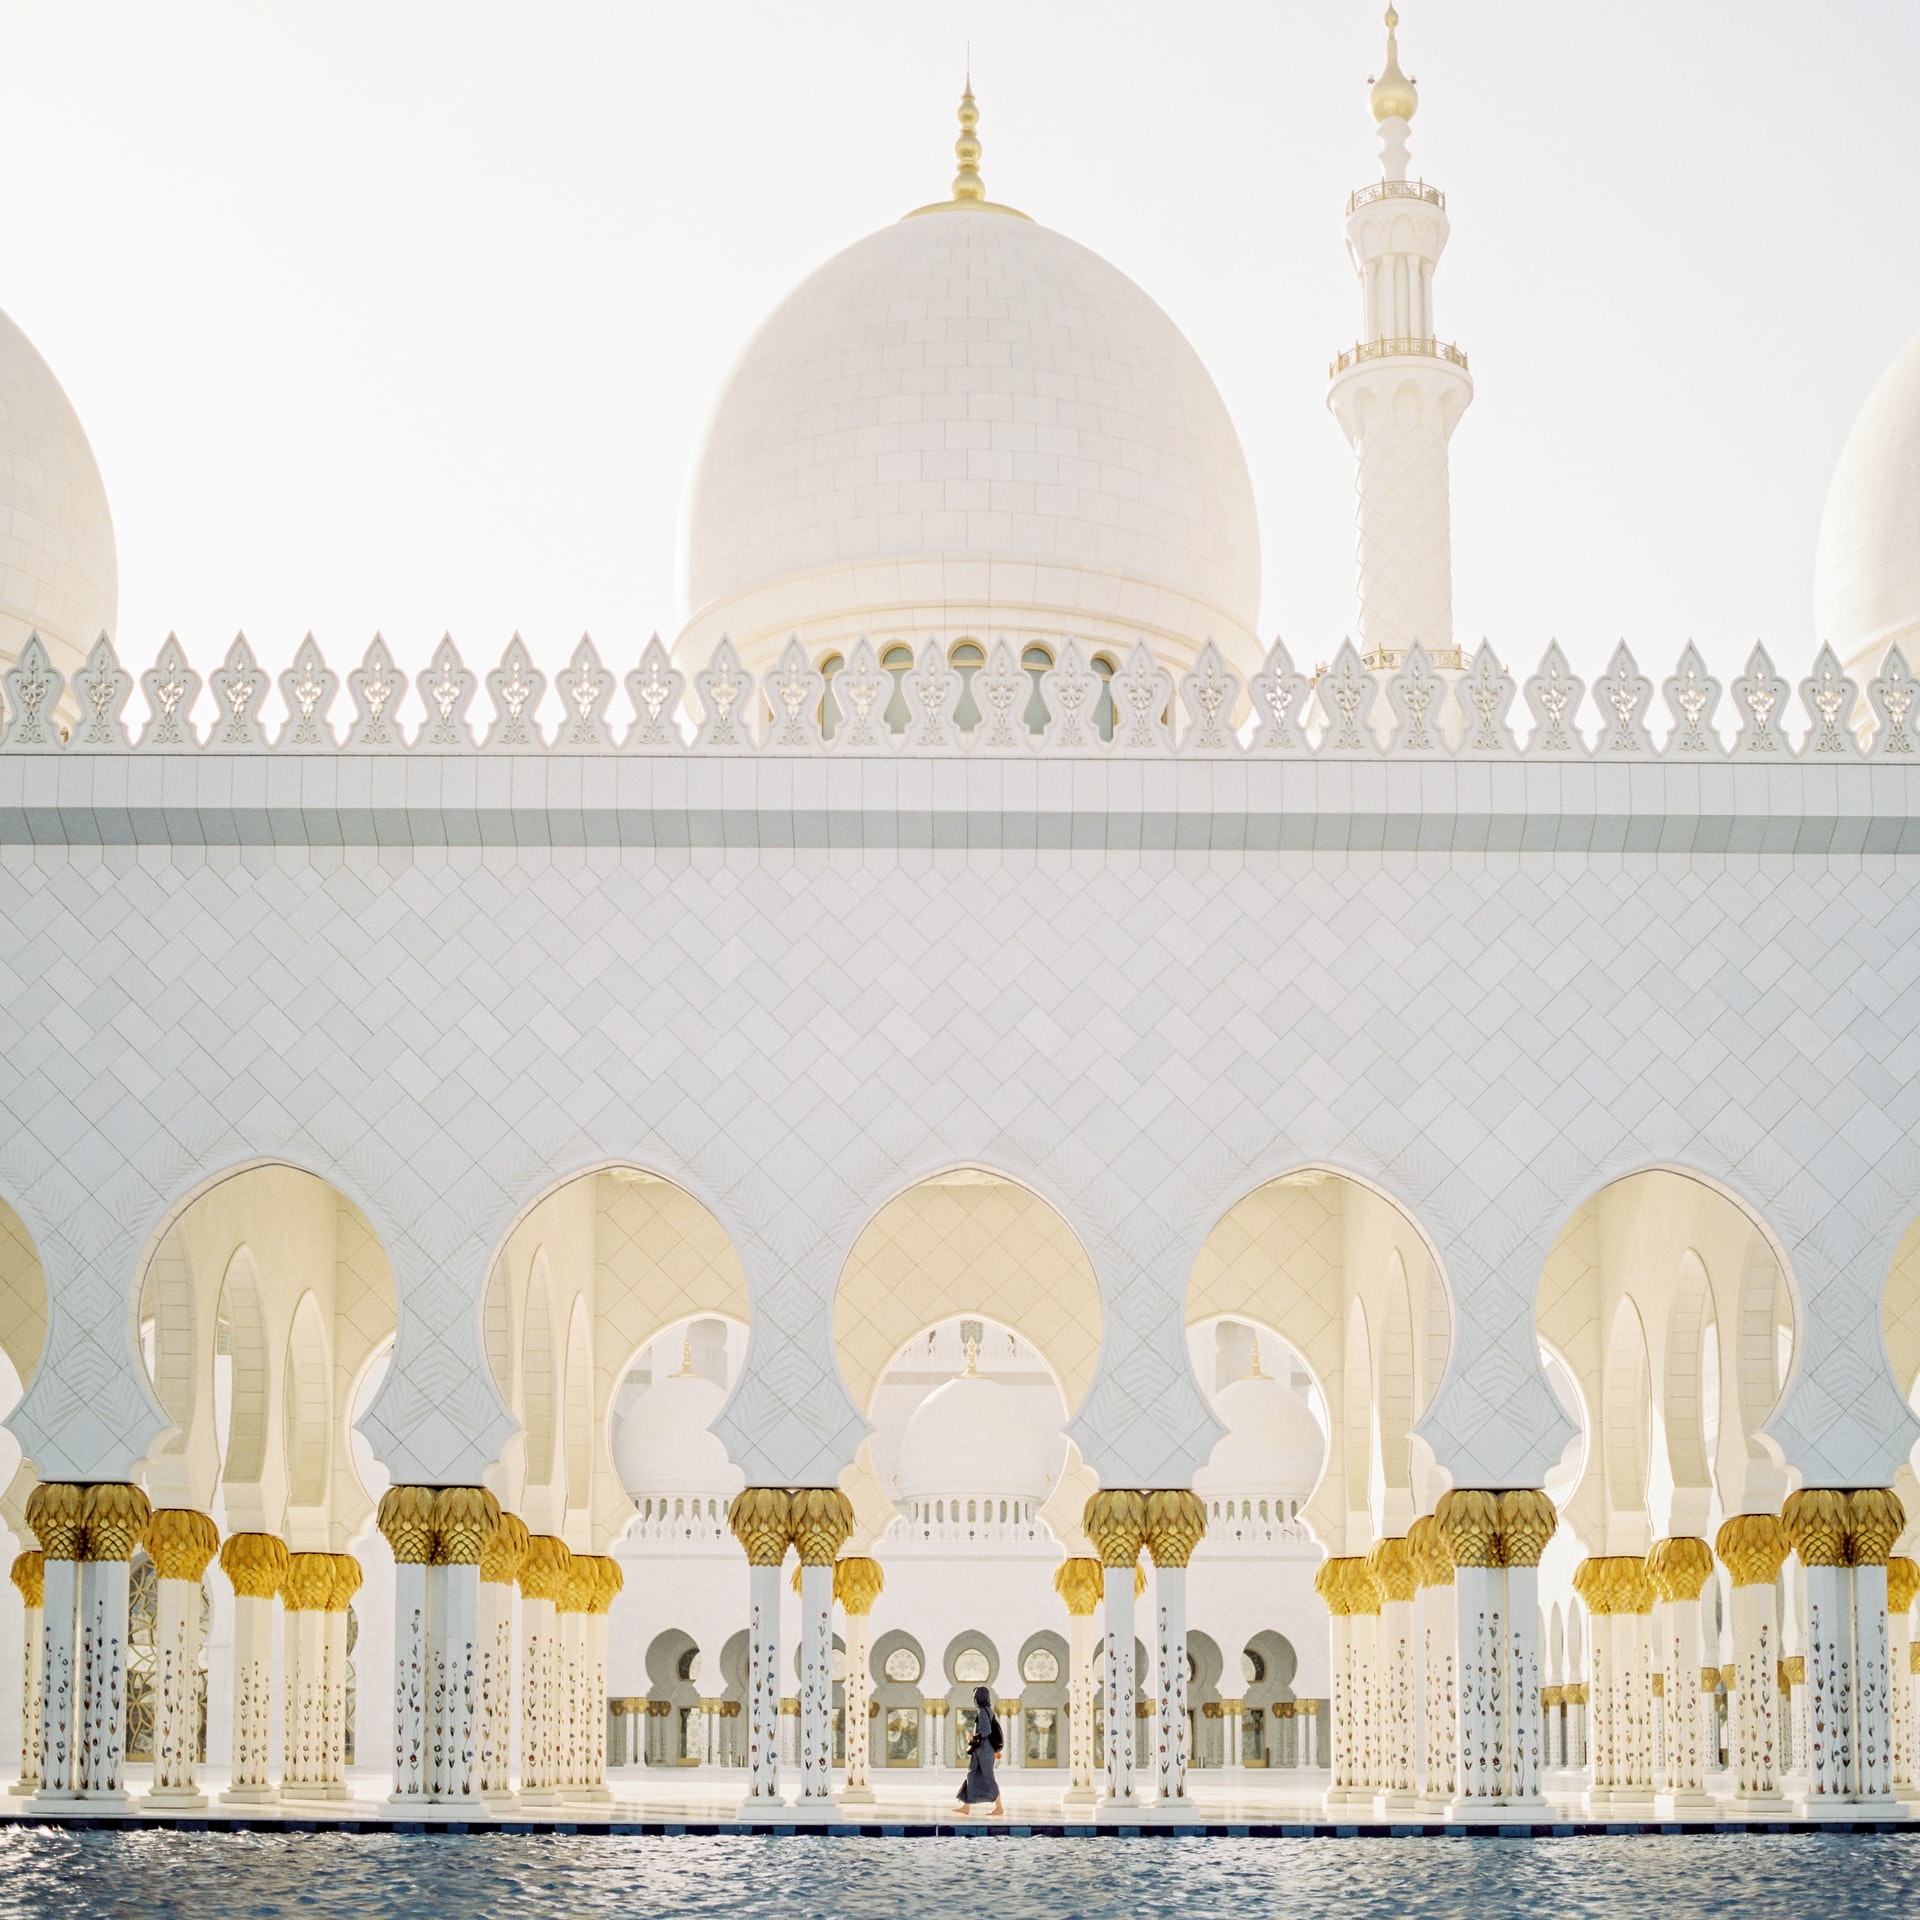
(986, 1724)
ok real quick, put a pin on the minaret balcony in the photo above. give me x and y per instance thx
(1398, 349)
(1395, 190)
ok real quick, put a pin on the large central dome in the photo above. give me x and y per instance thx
(966, 425)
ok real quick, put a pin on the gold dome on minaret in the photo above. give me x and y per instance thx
(1393, 96)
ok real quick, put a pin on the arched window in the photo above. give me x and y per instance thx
(1103, 710)
(898, 661)
(1036, 659)
(829, 707)
(966, 658)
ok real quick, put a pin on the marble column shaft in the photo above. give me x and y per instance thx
(29, 1575)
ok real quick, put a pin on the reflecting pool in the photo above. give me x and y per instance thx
(484, 1876)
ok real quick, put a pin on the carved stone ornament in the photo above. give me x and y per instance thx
(1816, 1522)
(377, 687)
(1903, 1583)
(101, 688)
(29, 1574)
(1623, 694)
(725, 690)
(1001, 690)
(1142, 702)
(1390, 1567)
(1432, 1564)
(1467, 1521)
(33, 691)
(603, 1580)
(1890, 693)
(1072, 691)
(1528, 1521)
(446, 690)
(1875, 1522)
(347, 1581)
(1280, 696)
(933, 697)
(1210, 693)
(307, 690)
(1760, 699)
(171, 687)
(794, 691)
(54, 1518)
(1346, 694)
(114, 1516)
(1829, 698)
(819, 1520)
(308, 1583)
(1553, 697)
(860, 695)
(515, 687)
(240, 699)
(1691, 695)
(1486, 694)
(1416, 693)
(654, 687)
(586, 694)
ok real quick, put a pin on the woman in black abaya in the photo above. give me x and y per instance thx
(980, 1786)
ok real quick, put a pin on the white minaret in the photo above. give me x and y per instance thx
(1398, 394)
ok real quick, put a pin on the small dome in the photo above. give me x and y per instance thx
(662, 1441)
(1393, 96)
(972, 1435)
(967, 425)
(1272, 1444)
(1866, 572)
(59, 575)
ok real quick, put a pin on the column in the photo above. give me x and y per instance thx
(1592, 1583)
(462, 1520)
(1528, 1522)
(1467, 1523)
(304, 1595)
(569, 1662)
(255, 1564)
(1009, 1712)
(30, 1577)
(54, 1516)
(1235, 1713)
(180, 1543)
(1875, 1521)
(820, 1518)
(857, 1584)
(1752, 1547)
(1336, 1581)
(545, 1569)
(1435, 1632)
(1081, 1583)
(501, 1559)
(758, 1517)
(1364, 1639)
(1903, 1583)
(790, 1731)
(1577, 1698)
(406, 1518)
(1397, 1703)
(1175, 1522)
(602, 1580)
(114, 1516)
(1554, 1734)
(1116, 1523)
(1632, 1632)
(347, 1580)
(1815, 1519)
(1680, 1569)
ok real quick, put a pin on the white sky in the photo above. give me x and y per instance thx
(408, 315)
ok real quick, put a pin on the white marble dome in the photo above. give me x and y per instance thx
(1272, 1444)
(59, 575)
(662, 1441)
(1867, 564)
(973, 1435)
(968, 425)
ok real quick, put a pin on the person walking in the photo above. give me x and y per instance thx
(980, 1785)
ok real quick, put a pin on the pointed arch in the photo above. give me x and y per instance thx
(1357, 1411)
(1683, 1384)
(538, 1370)
(243, 1319)
(166, 1308)
(308, 1403)
(579, 1410)
(1627, 1406)
(1397, 1410)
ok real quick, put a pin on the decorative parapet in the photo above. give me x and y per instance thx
(1409, 706)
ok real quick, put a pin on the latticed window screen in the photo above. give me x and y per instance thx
(143, 1619)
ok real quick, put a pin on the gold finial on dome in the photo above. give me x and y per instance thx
(1393, 96)
(969, 190)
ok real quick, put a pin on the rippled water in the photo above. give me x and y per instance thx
(370, 1876)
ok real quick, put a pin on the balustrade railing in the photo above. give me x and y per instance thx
(1395, 190)
(1397, 347)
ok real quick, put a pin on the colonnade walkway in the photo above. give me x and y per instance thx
(1224, 1801)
